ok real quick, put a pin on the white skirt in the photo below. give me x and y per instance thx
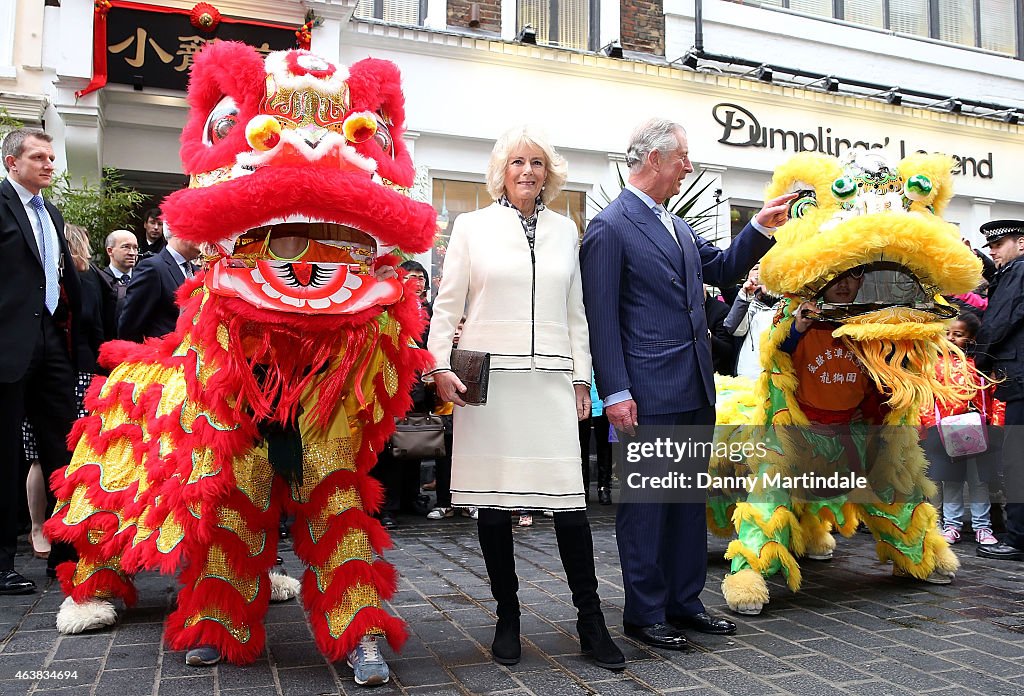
(520, 450)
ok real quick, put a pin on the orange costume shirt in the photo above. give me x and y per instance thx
(829, 378)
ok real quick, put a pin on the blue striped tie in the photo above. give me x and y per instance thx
(50, 253)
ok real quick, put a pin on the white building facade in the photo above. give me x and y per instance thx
(467, 79)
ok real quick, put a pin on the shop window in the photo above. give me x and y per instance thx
(452, 198)
(563, 23)
(393, 11)
(740, 216)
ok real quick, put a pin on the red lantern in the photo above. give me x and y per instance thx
(205, 17)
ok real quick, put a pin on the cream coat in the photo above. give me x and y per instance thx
(521, 449)
(489, 278)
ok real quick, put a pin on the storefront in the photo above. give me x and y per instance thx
(463, 91)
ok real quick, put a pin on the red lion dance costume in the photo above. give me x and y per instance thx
(281, 382)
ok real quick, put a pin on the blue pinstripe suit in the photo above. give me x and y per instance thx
(644, 298)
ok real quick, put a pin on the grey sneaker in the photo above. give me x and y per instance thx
(203, 656)
(368, 665)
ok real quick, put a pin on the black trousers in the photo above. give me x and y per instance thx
(45, 395)
(401, 481)
(599, 425)
(1013, 472)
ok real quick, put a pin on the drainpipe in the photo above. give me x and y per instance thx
(698, 27)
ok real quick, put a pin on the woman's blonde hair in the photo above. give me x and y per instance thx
(557, 168)
(78, 242)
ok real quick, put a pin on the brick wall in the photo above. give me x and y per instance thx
(642, 25)
(490, 14)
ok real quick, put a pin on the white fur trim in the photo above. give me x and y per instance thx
(77, 618)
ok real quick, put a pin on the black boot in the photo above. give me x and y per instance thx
(576, 547)
(495, 531)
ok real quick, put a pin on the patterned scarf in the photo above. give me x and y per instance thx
(529, 223)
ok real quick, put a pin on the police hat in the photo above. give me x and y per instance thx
(997, 229)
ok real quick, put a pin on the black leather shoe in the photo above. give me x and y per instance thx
(704, 623)
(657, 635)
(388, 520)
(1001, 551)
(604, 496)
(12, 582)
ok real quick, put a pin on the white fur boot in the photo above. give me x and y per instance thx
(73, 617)
(283, 588)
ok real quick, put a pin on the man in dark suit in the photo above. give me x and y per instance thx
(150, 309)
(1000, 352)
(39, 303)
(123, 252)
(643, 275)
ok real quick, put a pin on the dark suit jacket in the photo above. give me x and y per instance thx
(114, 295)
(645, 304)
(149, 305)
(1001, 338)
(22, 286)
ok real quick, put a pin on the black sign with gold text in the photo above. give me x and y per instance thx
(156, 49)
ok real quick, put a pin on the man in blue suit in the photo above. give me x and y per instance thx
(643, 275)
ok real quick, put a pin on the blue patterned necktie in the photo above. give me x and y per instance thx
(50, 253)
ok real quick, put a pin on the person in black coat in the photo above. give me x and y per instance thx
(723, 344)
(39, 306)
(150, 308)
(1000, 352)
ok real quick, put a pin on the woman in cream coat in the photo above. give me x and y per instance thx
(512, 270)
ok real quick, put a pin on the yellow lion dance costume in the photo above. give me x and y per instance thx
(881, 225)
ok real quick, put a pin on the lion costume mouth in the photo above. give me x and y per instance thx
(891, 293)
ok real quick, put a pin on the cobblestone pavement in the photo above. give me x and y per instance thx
(853, 629)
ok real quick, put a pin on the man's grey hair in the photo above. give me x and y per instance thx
(14, 142)
(656, 134)
(112, 237)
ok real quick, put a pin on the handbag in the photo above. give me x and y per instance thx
(418, 436)
(964, 434)
(473, 368)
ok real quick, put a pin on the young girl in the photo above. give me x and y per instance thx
(976, 470)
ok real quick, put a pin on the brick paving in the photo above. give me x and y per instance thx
(853, 629)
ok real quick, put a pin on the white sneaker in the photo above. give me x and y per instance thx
(470, 512)
(368, 665)
(440, 513)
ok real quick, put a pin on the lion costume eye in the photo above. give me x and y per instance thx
(221, 120)
(844, 188)
(803, 204)
(383, 137)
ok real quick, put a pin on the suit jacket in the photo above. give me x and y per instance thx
(644, 297)
(114, 294)
(150, 308)
(22, 286)
(1001, 338)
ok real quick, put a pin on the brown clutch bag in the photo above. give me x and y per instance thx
(473, 367)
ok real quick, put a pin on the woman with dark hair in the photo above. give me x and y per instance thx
(512, 269)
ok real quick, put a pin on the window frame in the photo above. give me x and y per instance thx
(839, 6)
(593, 29)
(378, 11)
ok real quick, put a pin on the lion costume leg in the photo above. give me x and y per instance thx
(335, 536)
(906, 534)
(766, 530)
(90, 585)
(225, 583)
